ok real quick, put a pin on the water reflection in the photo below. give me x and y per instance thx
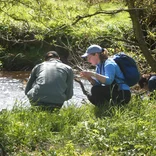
(13, 85)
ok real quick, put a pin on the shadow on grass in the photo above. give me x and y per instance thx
(107, 109)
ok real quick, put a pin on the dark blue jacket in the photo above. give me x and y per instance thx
(152, 83)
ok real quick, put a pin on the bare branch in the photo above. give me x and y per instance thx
(112, 12)
(85, 92)
(19, 40)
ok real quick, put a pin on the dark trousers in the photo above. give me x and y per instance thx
(110, 93)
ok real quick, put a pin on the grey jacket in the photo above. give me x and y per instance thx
(50, 82)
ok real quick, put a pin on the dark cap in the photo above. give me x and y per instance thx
(51, 54)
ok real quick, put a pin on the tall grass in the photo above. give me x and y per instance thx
(86, 130)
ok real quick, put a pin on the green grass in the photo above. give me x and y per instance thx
(81, 131)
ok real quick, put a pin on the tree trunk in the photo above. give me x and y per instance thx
(139, 34)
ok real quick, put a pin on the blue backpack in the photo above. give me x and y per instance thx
(129, 68)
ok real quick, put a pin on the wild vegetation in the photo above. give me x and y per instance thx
(81, 131)
(30, 28)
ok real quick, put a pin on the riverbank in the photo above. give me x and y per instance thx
(85, 130)
(26, 36)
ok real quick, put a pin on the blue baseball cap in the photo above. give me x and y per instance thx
(92, 49)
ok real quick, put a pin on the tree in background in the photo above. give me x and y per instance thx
(37, 23)
(143, 16)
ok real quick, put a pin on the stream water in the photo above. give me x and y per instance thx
(12, 85)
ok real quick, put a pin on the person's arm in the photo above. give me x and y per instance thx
(31, 80)
(107, 79)
(69, 91)
(109, 73)
(91, 76)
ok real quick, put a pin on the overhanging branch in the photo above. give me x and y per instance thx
(112, 12)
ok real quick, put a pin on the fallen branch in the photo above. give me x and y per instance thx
(85, 92)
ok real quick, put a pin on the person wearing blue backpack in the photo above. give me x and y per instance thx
(108, 81)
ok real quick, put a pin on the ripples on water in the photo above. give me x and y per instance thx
(12, 91)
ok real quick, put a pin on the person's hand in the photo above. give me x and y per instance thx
(86, 74)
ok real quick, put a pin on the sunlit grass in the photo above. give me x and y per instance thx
(85, 130)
